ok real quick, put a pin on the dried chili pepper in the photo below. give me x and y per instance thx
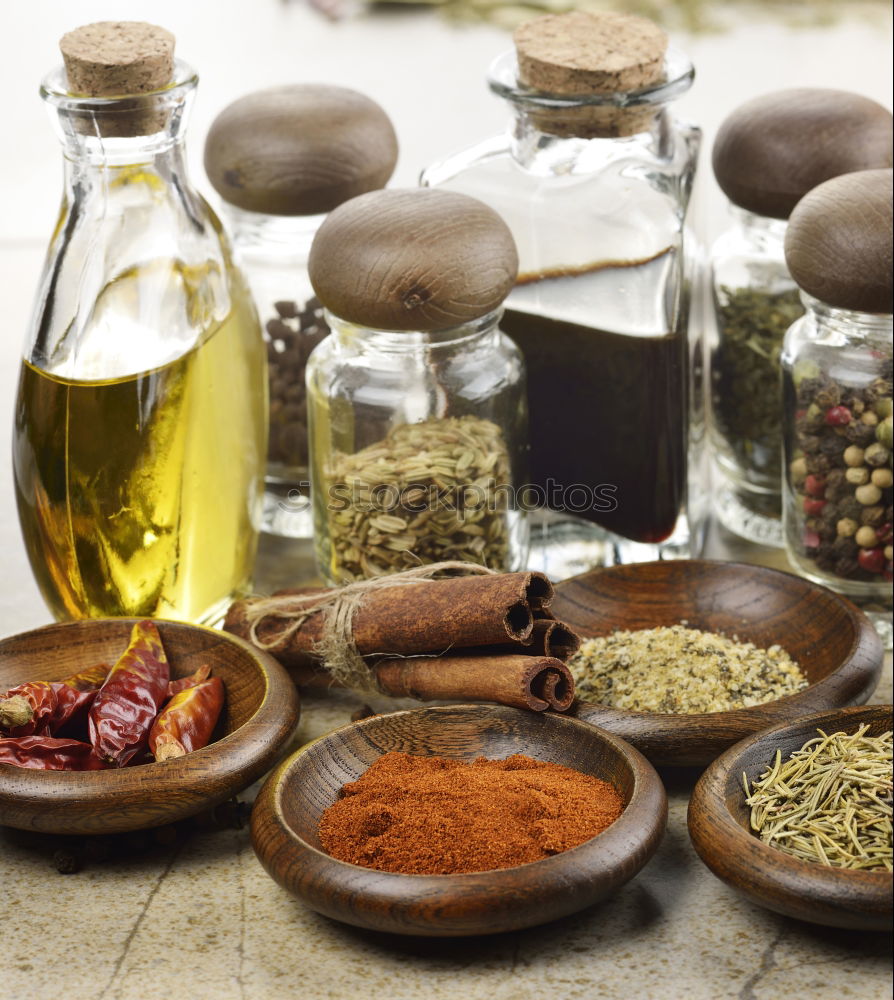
(47, 753)
(187, 722)
(126, 705)
(43, 707)
(182, 683)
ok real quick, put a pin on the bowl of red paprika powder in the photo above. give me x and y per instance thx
(260, 712)
(565, 761)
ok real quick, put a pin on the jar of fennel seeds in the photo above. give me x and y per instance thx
(281, 159)
(837, 373)
(767, 155)
(416, 400)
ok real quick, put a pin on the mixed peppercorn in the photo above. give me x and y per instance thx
(841, 475)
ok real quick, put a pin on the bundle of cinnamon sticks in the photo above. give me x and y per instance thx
(472, 638)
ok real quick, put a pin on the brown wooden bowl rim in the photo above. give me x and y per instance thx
(178, 770)
(865, 637)
(708, 800)
(634, 821)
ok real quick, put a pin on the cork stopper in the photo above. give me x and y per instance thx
(774, 149)
(299, 150)
(584, 53)
(838, 245)
(423, 259)
(120, 59)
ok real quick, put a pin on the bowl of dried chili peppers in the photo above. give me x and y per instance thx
(459, 819)
(798, 818)
(109, 725)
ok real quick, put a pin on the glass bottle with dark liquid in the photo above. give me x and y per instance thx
(595, 188)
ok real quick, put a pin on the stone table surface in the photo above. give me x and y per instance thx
(195, 916)
(200, 918)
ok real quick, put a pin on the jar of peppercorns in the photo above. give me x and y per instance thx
(281, 159)
(837, 374)
(768, 154)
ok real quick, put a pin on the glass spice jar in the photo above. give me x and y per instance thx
(767, 155)
(280, 159)
(837, 373)
(593, 178)
(140, 421)
(416, 400)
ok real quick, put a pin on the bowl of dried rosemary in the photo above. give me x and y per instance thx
(798, 818)
(684, 658)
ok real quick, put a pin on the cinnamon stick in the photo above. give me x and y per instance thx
(544, 682)
(549, 637)
(426, 617)
(532, 682)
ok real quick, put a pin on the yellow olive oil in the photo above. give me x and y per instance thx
(141, 495)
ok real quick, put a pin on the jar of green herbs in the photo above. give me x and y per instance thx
(767, 155)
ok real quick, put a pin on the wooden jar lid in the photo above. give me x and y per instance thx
(584, 53)
(423, 259)
(774, 149)
(299, 150)
(838, 245)
(117, 58)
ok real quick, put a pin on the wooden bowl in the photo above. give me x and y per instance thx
(719, 828)
(260, 713)
(286, 817)
(833, 642)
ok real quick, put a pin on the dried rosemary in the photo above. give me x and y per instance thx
(679, 669)
(428, 492)
(830, 802)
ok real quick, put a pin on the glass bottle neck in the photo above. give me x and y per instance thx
(360, 339)
(283, 234)
(111, 132)
(764, 233)
(603, 124)
(542, 151)
(842, 326)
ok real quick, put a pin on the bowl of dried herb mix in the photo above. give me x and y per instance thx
(798, 818)
(684, 658)
(458, 819)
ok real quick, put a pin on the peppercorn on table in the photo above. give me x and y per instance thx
(187, 910)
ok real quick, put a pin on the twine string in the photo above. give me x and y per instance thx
(336, 647)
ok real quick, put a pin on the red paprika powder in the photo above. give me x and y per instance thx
(437, 816)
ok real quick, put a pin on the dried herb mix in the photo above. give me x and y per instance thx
(829, 802)
(681, 670)
(746, 387)
(439, 816)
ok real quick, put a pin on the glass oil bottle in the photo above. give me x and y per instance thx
(140, 422)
